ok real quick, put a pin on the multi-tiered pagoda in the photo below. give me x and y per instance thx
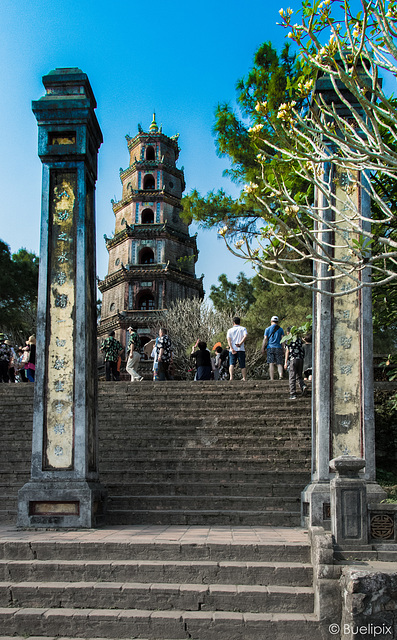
(151, 255)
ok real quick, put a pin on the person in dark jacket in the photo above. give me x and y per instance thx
(203, 361)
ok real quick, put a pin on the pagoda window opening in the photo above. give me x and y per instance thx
(147, 216)
(148, 182)
(145, 302)
(146, 256)
(150, 155)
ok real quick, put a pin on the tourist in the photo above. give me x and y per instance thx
(274, 348)
(236, 337)
(134, 357)
(111, 349)
(203, 361)
(19, 367)
(25, 359)
(164, 355)
(154, 355)
(11, 366)
(307, 363)
(30, 365)
(294, 356)
(221, 362)
(5, 358)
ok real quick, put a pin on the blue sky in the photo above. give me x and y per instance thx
(176, 57)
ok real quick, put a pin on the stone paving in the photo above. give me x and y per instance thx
(144, 534)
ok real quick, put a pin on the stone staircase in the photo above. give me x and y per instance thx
(202, 538)
(175, 583)
(182, 453)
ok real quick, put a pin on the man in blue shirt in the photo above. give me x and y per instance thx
(274, 348)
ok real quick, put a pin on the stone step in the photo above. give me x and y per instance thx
(131, 412)
(204, 517)
(158, 625)
(204, 503)
(299, 477)
(171, 571)
(202, 453)
(258, 490)
(149, 439)
(132, 595)
(216, 463)
(37, 549)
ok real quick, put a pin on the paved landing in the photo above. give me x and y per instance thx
(145, 534)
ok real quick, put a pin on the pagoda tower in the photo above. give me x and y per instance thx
(151, 254)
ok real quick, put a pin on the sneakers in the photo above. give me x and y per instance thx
(140, 379)
(292, 397)
(304, 390)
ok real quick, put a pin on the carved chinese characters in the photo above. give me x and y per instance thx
(346, 416)
(60, 373)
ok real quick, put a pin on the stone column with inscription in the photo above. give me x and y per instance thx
(64, 489)
(343, 405)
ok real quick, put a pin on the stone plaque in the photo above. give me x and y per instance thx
(59, 430)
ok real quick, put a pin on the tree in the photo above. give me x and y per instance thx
(233, 297)
(18, 293)
(348, 126)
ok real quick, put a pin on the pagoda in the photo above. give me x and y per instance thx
(151, 254)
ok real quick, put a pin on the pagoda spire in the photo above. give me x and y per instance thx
(153, 127)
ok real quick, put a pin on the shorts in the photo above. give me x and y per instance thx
(240, 356)
(275, 356)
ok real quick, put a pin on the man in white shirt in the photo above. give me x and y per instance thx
(236, 337)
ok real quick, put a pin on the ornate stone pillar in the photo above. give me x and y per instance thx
(64, 489)
(343, 406)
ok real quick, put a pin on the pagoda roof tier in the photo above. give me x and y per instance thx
(153, 137)
(153, 271)
(124, 319)
(147, 195)
(152, 165)
(152, 230)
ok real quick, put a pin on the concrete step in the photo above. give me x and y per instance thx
(204, 572)
(133, 595)
(158, 625)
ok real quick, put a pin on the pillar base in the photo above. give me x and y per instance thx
(61, 505)
(316, 505)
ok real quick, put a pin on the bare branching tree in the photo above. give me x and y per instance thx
(190, 320)
(343, 143)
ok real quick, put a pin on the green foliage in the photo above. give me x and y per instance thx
(18, 292)
(257, 300)
(233, 297)
(386, 440)
(299, 332)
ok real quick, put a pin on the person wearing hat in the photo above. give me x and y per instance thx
(134, 357)
(5, 358)
(274, 348)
